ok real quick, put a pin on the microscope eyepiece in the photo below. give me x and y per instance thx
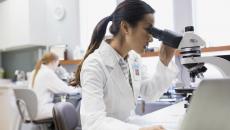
(168, 37)
(156, 33)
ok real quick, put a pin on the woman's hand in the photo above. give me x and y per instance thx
(158, 127)
(166, 54)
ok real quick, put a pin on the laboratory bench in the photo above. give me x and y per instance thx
(165, 101)
(169, 117)
(10, 118)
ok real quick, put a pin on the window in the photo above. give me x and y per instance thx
(90, 15)
(212, 21)
(91, 12)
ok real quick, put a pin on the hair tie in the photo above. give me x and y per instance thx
(110, 18)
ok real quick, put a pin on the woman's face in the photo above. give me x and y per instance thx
(138, 37)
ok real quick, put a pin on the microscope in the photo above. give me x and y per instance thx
(189, 45)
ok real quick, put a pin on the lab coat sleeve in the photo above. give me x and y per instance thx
(93, 109)
(56, 85)
(153, 88)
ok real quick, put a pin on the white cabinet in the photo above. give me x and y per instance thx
(26, 23)
(14, 23)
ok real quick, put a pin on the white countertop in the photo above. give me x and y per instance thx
(9, 83)
(169, 117)
(10, 118)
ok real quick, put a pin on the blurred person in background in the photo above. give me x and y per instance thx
(46, 83)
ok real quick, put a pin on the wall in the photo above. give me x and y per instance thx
(37, 21)
(14, 22)
(33, 22)
(38, 24)
(90, 15)
(214, 12)
(23, 59)
(67, 30)
(182, 12)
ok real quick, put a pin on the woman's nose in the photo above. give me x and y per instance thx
(150, 38)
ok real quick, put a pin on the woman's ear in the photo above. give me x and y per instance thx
(124, 26)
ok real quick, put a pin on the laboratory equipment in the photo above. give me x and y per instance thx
(189, 44)
(190, 50)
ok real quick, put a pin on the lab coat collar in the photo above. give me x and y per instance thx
(109, 55)
(43, 66)
(110, 60)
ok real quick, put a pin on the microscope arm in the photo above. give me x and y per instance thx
(222, 63)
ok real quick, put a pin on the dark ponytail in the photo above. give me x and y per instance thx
(96, 39)
(131, 11)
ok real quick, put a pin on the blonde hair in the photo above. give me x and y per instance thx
(47, 58)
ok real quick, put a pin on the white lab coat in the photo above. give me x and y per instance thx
(45, 85)
(107, 97)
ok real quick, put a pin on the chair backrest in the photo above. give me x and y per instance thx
(65, 116)
(30, 99)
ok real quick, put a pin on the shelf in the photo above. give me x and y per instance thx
(70, 62)
(209, 49)
(218, 48)
(150, 54)
(7, 48)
